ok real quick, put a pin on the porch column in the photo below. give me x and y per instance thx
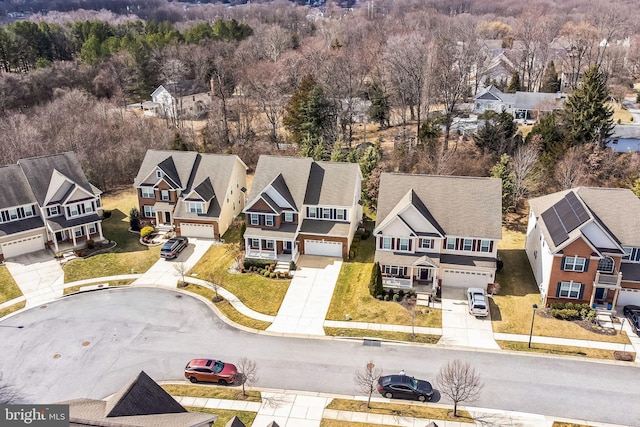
(100, 230)
(73, 236)
(86, 231)
(593, 295)
(615, 298)
(55, 242)
(275, 248)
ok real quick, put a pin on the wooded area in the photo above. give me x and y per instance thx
(320, 82)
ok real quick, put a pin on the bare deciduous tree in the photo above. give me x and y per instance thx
(367, 379)
(459, 382)
(182, 269)
(249, 373)
(522, 167)
(571, 169)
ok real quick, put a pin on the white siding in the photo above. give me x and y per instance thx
(417, 221)
(277, 198)
(597, 236)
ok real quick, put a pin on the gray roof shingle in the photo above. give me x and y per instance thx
(39, 171)
(461, 206)
(16, 190)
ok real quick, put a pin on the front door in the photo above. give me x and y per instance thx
(167, 217)
(287, 247)
(601, 293)
(425, 273)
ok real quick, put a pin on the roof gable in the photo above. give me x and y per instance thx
(141, 396)
(205, 190)
(414, 214)
(563, 217)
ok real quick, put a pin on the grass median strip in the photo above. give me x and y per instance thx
(224, 415)
(211, 392)
(338, 423)
(15, 307)
(112, 284)
(563, 350)
(226, 308)
(385, 335)
(400, 410)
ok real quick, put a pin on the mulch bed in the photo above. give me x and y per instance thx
(585, 324)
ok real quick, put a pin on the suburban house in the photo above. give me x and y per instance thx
(438, 230)
(300, 206)
(523, 105)
(140, 402)
(187, 99)
(47, 202)
(196, 194)
(625, 139)
(584, 246)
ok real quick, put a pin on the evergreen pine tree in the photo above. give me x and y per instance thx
(379, 110)
(375, 285)
(502, 170)
(586, 116)
(550, 80)
(514, 83)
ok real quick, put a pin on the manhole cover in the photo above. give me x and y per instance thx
(57, 356)
(86, 343)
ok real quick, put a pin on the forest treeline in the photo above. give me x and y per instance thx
(282, 75)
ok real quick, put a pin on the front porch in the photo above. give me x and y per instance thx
(275, 249)
(74, 237)
(408, 277)
(604, 295)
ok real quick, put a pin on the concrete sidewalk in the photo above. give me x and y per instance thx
(290, 408)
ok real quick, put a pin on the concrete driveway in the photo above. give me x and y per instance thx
(461, 328)
(305, 305)
(165, 272)
(36, 274)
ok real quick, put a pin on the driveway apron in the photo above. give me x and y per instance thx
(305, 305)
(36, 274)
(167, 272)
(459, 327)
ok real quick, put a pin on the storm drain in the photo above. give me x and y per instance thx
(371, 343)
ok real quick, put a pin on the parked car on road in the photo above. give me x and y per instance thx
(477, 299)
(404, 387)
(173, 247)
(632, 312)
(211, 371)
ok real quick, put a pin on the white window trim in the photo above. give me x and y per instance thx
(269, 220)
(92, 228)
(77, 231)
(464, 245)
(147, 193)
(288, 217)
(254, 243)
(148, 211)
(453, 244)
(88, 207)
(254, 219)
(613, 265)
(71, 209)
(574, 264)
(341, 214)
(162, 195)
(386, 243)
(401, 244)
(268, 244)
(196, 207)
(426, 243)
(313, 212)
(571, 287)
(485, 244)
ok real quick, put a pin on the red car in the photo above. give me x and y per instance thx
(211, 371)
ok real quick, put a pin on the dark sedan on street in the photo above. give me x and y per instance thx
(404, 387)
(632, 312)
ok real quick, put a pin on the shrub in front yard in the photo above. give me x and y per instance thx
(134, 219)
(565, 314)
(146, 231)
(258, 263)
(375, 285)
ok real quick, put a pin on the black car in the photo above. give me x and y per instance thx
(404, 387)
(632, 312)
(173, 247)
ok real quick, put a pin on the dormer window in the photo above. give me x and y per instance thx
(52, 211)
(196, 207)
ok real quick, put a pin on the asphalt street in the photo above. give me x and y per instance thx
(90, 344)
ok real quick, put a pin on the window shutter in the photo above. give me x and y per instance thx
(581, 292)
(586, 265)
(410, 241)
(307, 211)
(444, 243)
(491, 246)
(558, 290)
(393, 244)
(333, 213)
(562, 263)
(379, 242)
(458, 243)
(474, 246)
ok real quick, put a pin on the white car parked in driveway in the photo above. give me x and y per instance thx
(477, 299)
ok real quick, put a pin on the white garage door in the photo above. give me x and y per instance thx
(465, 279)
(22, 246)
(197, 230)
(628, 297)
(324, 248)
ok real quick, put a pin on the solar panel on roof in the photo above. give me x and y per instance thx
(567, 215)
(577, 207)
(554, 226)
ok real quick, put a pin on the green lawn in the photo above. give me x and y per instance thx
(351, 297)
(512, 307)
(211, 391)
(15, 307)
(255, 291)
(128, 256)
(563, 350)
(8, 287)
(385, 335)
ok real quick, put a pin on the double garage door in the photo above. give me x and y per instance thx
(323, 248)
(22, 246)
(465, 279)
(197, 230)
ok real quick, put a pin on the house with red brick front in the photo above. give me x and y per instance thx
(299, 206)
(583, 245)
(438, 230)
(195, 194)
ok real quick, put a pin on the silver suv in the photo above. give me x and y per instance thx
(173, 247)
